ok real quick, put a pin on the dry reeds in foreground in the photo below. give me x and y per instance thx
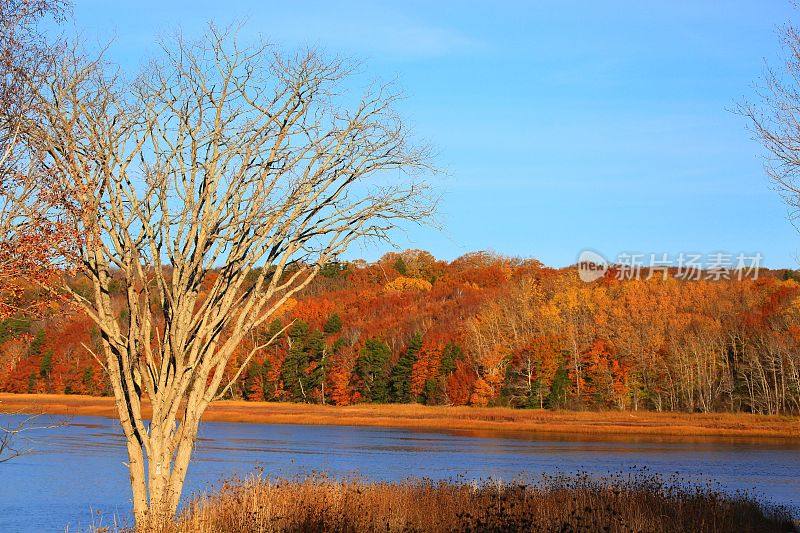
(640, 502)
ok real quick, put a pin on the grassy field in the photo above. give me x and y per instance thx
(475, 420)
(618, 503)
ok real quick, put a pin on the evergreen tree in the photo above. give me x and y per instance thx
(46, 365)
(317, 359)
(88, 380)
(249, 380)
(254, 383)
(12, 327)
(371, 369)
(401, 267)
(401, 373)
(260, 387)
(35, 347)
(46, 362)
(338, 344)
(295, 363)
(333, 325)
(274, 328)
(451, 353)
(304, 368)
(333, 269)
(292, 373)
(558, 389)
(430, 393)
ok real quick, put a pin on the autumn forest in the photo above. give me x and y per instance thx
(481, 330)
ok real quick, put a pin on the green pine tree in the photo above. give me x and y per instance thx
(400, 266)
(452, 353)
(430, 393)
(295, 363)
(46, 364)
(371, 370)
(303, 370)
(35, 347)
(558, 389)
(88, 379)
(401, 373)
(333, 325)
(12, 327)
(317, 357)
(274, 328)
(333, 269)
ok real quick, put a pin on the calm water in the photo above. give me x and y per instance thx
(76, 476)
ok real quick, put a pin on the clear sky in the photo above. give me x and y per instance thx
(560, 125)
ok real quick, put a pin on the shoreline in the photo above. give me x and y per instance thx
(479, 421)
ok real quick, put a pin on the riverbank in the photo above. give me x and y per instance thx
(512, 422)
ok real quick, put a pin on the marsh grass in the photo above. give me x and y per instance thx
(474, 420)
(615, 503)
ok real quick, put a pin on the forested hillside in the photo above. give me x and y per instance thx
(482, 330)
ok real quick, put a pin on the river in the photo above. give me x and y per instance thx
(74, 475)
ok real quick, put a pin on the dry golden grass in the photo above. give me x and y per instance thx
(612, 504)
(477, 420)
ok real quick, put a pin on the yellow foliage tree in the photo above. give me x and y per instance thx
(402, 284)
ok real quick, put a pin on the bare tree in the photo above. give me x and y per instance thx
(9, 449)
(27, 241)
(767, 368)
(29, 234)
(775, 120)
(23, 52)
(12, 431)
(214, 186)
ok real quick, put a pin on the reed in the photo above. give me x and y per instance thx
(615, 503)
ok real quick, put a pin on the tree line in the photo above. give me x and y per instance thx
(482, 330)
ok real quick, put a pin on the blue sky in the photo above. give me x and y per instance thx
(560, 125)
